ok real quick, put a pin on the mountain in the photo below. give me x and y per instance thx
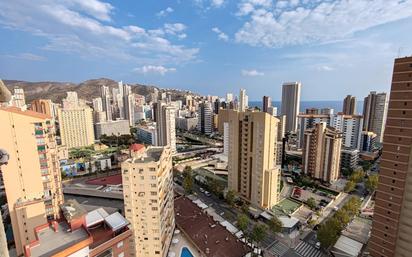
(56, 91)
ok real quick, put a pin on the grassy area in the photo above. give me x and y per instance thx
(286, 206)
(327, 191)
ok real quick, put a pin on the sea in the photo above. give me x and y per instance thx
(336, 105)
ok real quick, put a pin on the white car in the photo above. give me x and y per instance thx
(317, 245)
(207, 193)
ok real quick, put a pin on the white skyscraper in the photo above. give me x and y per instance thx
(375, 110)
(229, 97)
(97, 104)
(165, 117)
(291, 104)
(18, 98)
(105, 94)
(243, 100)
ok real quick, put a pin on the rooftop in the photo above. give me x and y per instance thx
(152, 154)
(51, 242)
(29, 113)
(208, 235)
(72, 210)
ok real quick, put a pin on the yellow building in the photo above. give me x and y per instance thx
(148, 198)
(76, 126)
(32, 176)
(253, 173)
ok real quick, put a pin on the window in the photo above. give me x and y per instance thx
(120, 244)
(121, 254)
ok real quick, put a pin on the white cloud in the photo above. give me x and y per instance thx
(26, 56)
(81, 27)
(276, 24)
(165, 12)
(146, 69)
(251, 73)
(220, 34)
(218, 3)
(325, 68)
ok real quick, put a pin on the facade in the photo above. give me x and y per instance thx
(281, 127)
(349, 125)
(252, 171)
(272, 110)
(267, 102)
(375, 110)
(205, 118)
(187, 123)
(349, 105)
(97, 104)
(32, 176)
(76, 126)
(148, 198)
(105, 95)
(367, 142)
(165, 117)
(128, 104)
(226, 138)
(18, 99)
(349, 158)
(351, 128)
(44, 106)
(322, 152)
(147, 134)
(243, 100)
(113, 127)
(291, 104)
(392, 221)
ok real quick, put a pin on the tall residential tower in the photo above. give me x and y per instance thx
(291, 104)
(392, 221)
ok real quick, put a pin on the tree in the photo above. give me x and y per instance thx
(275, 225)
(357, 176)
(230, 197)
(372, 182)
(242, 222)
(350, 186)
(328, 233)
(258, 232)
(311, 203)
(188, 183)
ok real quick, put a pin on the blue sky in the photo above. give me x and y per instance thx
(334, 47)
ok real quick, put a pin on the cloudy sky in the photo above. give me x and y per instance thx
(334, 47)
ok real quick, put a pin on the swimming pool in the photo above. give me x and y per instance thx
(186, 252)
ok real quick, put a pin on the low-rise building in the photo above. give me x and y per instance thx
(81, 233)
(186, 123)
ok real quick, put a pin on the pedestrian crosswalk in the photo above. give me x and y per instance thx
(278, 248)
(307, 250)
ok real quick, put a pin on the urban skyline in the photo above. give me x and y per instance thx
(223, 41)
(253, 128)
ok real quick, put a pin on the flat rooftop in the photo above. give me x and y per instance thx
(51, 242)
(152, 154)
(72, 210)
(208, 235)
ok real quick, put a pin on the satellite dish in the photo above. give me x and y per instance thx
(5, 95)
(4, 157)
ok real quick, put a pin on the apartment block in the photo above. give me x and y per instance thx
(32, 176)
(349, 105)
(291, 104)
(112, 127)
(252, 159)
(322, 152)
(368, 141)
(375, 110)
(165, 117)
(148, 198)
(392, 221)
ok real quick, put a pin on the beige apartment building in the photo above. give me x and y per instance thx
(253, 173)
(392, 221)
(148, 198)
(76, 126)
(322, 152)
(32, 176)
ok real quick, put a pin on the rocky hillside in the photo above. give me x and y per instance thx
(56, 91)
